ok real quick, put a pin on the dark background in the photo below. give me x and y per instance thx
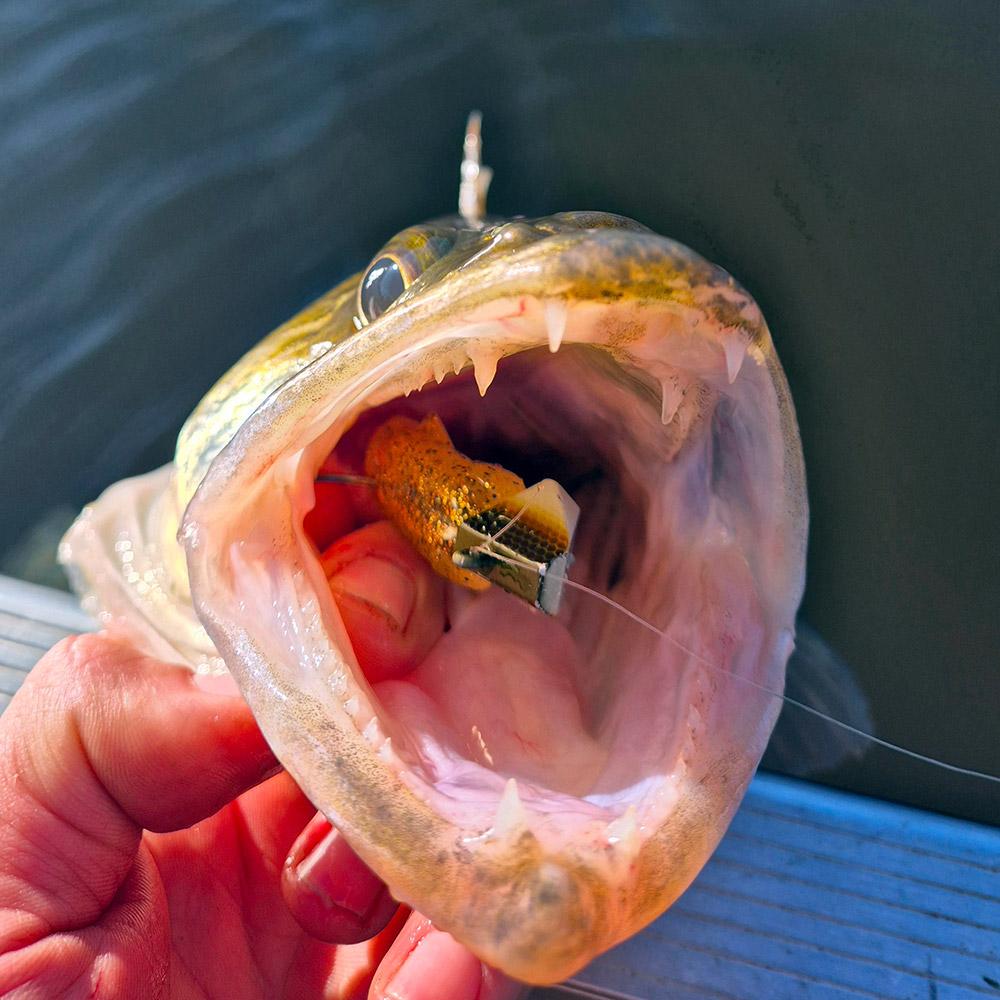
(177, 180)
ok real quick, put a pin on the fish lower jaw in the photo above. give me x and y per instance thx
(491, 810)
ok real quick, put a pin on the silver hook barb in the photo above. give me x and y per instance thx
(475, 177)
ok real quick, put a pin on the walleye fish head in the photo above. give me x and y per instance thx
(564, 778)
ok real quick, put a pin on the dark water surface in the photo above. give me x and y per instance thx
(176, 179)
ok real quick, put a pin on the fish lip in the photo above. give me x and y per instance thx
(519, 878)
(603, 265)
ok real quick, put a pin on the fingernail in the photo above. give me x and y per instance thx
(336, 876)
(217, 684)
(437, 967)
(379, 583)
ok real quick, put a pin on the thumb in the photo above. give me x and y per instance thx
(100, 743)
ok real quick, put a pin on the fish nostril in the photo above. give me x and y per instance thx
(511, 235)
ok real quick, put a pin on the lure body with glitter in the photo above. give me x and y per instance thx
(456, 512)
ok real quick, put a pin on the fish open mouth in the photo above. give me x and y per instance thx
(539, 786)
(576, 768)
(514, 718)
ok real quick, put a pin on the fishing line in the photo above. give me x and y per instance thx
(485, 548)
(510, 524)
(578, 988)
(638, 619)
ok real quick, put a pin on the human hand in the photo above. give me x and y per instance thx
(151, 847)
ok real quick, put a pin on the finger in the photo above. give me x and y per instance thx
(355, 964)
(99, 743)
(124, 952)
(330, 891)
(427, 964)
(391, 601)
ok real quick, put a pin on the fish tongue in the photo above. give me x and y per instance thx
(499, 689)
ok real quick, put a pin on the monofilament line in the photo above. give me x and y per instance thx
(510, 524)
(639, 620)
(968, 772)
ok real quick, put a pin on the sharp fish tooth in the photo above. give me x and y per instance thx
(555, 322)
(736, 350)
(484, 363)
(624, 831)
(671, 399)
(510, 812)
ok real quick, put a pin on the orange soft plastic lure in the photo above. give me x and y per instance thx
(428, 489)
(475, 523)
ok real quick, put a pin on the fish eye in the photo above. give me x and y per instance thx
(381, 285)
(401, 262)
